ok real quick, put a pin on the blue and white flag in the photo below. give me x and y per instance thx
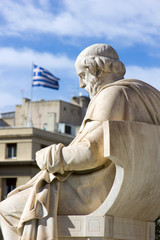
(42, 77)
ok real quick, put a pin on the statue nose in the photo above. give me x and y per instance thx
(82, 83)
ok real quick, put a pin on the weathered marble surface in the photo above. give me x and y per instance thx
(104, 227)
(86, 178)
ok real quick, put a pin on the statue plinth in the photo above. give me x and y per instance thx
(104, 228)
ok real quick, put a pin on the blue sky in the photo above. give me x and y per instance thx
(51, 33)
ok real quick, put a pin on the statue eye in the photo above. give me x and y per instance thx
(82, 75)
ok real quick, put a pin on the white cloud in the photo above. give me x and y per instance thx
(16, 70)
(11, 57)
(128, 21)
(148, 75)
(16, 67)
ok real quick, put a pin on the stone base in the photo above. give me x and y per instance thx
(104, 228)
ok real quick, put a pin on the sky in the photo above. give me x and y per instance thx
(51, 34)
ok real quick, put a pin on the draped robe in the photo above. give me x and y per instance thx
(76, 179)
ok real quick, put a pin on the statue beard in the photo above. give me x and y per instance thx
(94, 86)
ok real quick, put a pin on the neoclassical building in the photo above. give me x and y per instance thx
(52, 122)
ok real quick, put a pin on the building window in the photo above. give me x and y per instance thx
(8, 184)
(67, 129)
(43, 146)
(11, 151)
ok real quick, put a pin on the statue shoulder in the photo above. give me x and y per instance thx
(110, 92)
(106, 103)
(125, 100)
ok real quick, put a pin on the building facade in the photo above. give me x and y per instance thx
(54, 116)
(17, 154)
(20, 138)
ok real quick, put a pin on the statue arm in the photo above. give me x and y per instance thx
(87, 149)
(86, 152)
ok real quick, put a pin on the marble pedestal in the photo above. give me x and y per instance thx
(104, 228)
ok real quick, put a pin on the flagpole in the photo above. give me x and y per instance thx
(30, 124)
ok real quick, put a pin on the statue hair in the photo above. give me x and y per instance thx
(101, 57)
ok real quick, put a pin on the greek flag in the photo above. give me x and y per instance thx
(42, 77)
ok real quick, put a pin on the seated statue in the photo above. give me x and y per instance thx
(76, 179)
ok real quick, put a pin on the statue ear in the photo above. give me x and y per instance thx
(98, 73)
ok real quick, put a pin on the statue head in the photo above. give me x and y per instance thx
(98, 65)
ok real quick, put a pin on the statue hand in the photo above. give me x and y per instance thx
(50, 158)
(40, 158)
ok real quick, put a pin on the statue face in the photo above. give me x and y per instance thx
(91, 83)
(83, 77)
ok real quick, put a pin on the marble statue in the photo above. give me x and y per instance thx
(76, 179)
